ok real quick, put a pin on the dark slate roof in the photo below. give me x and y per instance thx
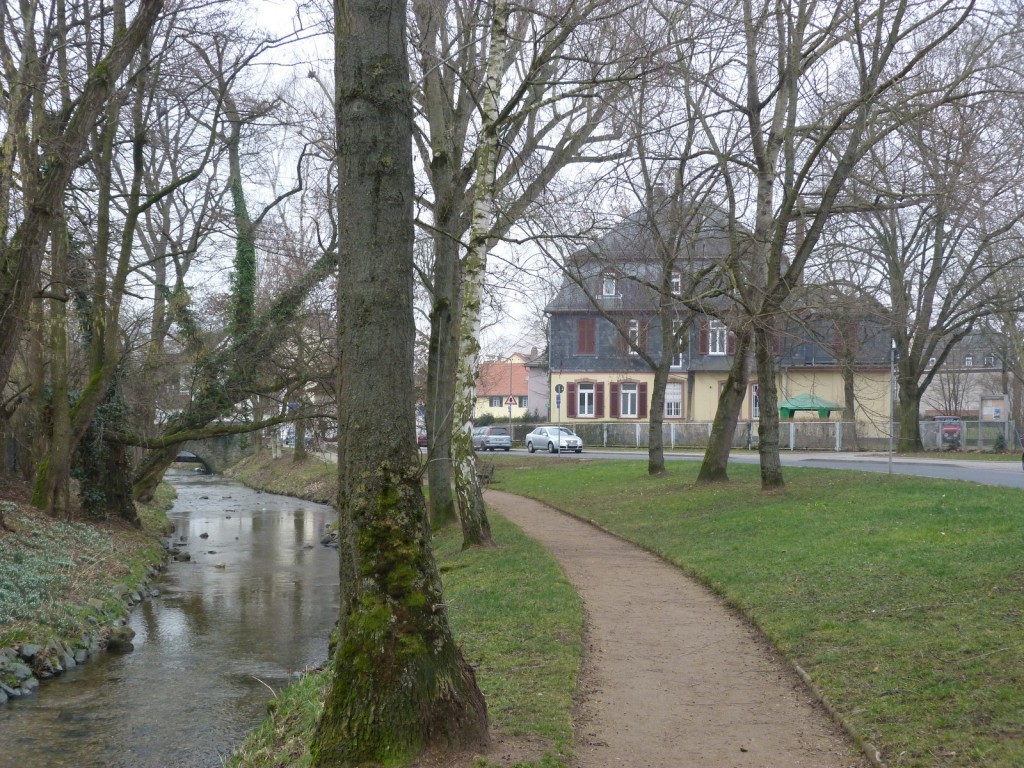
(630, 250)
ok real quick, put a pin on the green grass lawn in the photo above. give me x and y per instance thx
(903, 598)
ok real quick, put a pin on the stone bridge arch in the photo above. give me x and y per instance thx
(219, 453)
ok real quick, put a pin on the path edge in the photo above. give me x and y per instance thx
(870, 752)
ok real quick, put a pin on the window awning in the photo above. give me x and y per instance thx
(808, 403)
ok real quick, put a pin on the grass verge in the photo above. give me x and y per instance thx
(55, 574)
(903, 598)
(516, 617)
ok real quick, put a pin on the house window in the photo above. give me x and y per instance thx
(677, 283)
(496, 402)
(677, 357)
(755, 401)
(586, 336)
(585, 399)
(608, 284)
(634, 335)
(522, 401)
(990, 361)
(673, 400)
(931, 362)
(718, 337)
(969, 361)
(628, 401)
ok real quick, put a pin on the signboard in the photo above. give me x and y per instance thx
(510, 401)
(994, 408)
(559, 389)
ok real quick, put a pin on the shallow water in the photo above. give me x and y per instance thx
(255, 605)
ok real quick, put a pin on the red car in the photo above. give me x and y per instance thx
(421, 439)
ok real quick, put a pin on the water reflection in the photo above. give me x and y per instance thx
(255, 604)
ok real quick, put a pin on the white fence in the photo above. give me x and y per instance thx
(793, 435)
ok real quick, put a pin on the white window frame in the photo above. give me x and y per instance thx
(495, 401)
(969, 361)
(629, 399)
(674, 400)
(718, 337)
(608, 284)
(585, 399)
(634, 335)
(990, 361)
(677, 357)
(677, 283)
(755, 401)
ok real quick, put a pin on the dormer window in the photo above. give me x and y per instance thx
(969, 361)
(677, 283)
(608, 284)
(718, 337)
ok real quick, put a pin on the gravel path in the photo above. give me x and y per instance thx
(672, 677)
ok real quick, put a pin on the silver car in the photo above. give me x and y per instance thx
(553, 440)
(491, 439)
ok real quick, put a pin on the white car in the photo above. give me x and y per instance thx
(553, 440)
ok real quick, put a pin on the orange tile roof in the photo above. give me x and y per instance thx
(494, 379)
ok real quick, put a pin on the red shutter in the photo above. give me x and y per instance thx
(702, 336)
(730, 343)
(570, 400)
(599, 400)
(615, 400)
(585, 336)
(642, 335)
(642, 400)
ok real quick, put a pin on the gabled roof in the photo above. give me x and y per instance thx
(502, 377)
(631, 252)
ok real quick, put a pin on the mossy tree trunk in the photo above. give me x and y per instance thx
(768, 424)
(715, 467)
(400, 683)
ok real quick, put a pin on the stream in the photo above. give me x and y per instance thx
(255, 605)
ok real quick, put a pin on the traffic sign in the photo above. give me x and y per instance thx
(558, 401)
(511, 401)
(559, 389)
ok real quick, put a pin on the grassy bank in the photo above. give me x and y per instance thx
(59, 579)
(516, 617)
(903, 598)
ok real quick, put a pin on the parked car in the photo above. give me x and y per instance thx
(951, 430)
(492, 439)
(421, 439)
(553, 440)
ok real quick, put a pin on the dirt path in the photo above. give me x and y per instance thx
(672, 678)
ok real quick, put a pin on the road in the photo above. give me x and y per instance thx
(1005, 473)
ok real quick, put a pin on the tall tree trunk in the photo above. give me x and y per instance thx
(850, 401)
(655, 431)
(399, 682)
(50, 492)
(768, 424)
(476, 530)
(715, 467)
(441, 364)
(909, 400)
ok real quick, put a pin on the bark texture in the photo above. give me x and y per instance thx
(715, 467)
(400, 683)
